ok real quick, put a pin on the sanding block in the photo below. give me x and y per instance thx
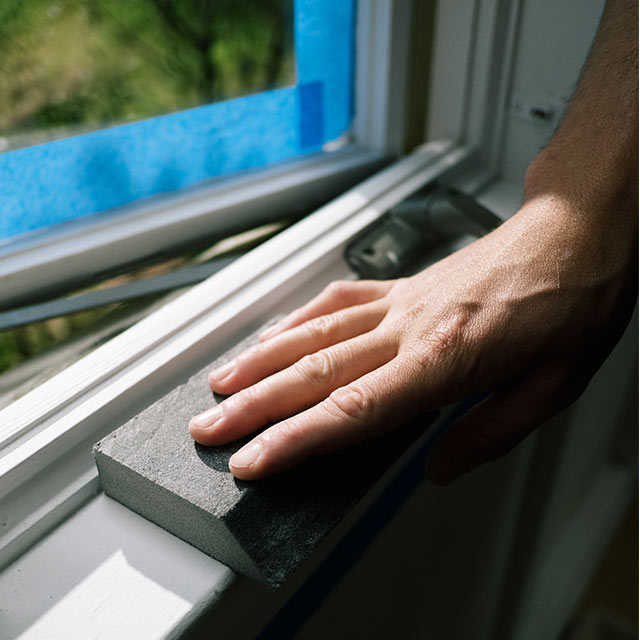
(264, 529)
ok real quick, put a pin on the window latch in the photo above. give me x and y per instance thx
(413, 228)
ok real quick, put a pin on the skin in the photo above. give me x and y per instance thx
(526, 314)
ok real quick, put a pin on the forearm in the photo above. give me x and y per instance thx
(592, 158)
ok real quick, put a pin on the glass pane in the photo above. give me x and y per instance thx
(117, 61)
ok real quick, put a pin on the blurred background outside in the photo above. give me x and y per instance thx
(71, 66)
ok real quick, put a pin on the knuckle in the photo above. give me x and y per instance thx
(416, 311)
(317, 368)
(421, 353)
(444, 341)
(251, 404)
(246, 400)
(320, 328)
(339, 288)
(447, 336)
(350, 402)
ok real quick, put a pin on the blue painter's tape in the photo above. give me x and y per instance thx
(311, 115)
(69, 178)
(324, 33)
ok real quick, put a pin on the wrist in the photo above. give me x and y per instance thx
(602, 185)
(592, 239)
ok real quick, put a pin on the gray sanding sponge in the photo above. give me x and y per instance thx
(263, 529)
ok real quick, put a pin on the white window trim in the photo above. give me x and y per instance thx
(383, 35)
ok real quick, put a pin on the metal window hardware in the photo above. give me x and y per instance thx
(412, 228)
(121, 293)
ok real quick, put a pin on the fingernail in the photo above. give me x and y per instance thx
(265, 335)
(246, 456)
(207, 419)
(223, 372)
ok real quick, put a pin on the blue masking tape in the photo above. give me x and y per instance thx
(324, 32)
(68, 178)
(311, 114)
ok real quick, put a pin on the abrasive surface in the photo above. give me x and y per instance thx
(264, 529)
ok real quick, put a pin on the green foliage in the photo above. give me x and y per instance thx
(10, 354)
(87, 63)
(22, 343)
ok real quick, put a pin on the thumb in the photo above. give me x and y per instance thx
(490, 429)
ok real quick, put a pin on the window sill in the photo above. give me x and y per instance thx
(46, 470)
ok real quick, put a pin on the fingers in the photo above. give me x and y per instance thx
(268, 357)
(495, 426)
(376, 402)
(338, 295)
(287, 392)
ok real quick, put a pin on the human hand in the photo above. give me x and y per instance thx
(527, 314)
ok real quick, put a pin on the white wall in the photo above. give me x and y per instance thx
(552, 43)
